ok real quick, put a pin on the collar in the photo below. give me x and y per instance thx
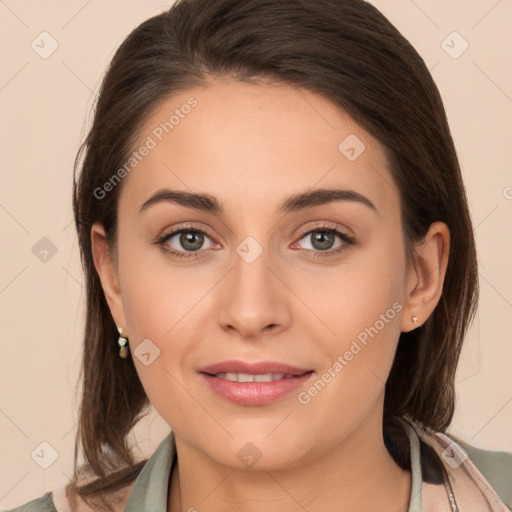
(149, 493)
(416, 477)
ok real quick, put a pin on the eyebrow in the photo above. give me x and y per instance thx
(297, 202)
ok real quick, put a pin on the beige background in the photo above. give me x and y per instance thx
(44, 104)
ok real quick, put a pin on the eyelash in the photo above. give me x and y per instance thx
(348, 241)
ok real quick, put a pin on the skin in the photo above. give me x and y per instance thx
(252, 146)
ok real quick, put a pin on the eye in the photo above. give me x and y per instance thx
(184, 242)
(322, 239)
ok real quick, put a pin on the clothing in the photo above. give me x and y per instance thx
(472, 491)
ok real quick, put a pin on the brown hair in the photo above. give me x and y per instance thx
(344, 50)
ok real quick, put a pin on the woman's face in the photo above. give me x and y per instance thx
(264, 277)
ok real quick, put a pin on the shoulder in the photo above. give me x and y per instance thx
(42, 504)
(490, 471)
(61, 501)
(495, 466)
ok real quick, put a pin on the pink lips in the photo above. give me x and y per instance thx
(254, 393)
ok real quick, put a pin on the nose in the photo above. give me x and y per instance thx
(253, 299)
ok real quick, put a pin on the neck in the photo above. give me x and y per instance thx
(357, 474)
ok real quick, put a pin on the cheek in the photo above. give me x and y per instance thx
(163, 308)
(360, 305)
(161, 323)
(154, 294)
(364, 290)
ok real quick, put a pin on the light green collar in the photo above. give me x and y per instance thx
(149, 493)
(416, 476)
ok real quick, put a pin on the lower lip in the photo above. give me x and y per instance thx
(255, 393)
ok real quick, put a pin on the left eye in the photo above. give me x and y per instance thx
(322, 239)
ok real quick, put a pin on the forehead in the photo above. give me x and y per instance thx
(246, 143)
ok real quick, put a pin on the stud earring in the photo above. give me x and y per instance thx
(122, 342)
(414, 319)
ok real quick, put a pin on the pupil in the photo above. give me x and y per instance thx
(189, 237)
(325, 239)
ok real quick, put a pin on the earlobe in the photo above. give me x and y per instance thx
(426, 276)
(107, 272)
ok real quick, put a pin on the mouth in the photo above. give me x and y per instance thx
(251, 377)
(254, 383)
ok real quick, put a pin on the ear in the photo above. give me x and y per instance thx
(425, 276)
(107, 272)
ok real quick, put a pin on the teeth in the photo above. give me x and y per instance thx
(247, 377)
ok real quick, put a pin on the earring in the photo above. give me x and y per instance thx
(122, 342)
(414, 319)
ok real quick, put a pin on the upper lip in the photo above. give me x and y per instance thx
(260, 368)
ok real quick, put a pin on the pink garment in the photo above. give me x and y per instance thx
(472, 492)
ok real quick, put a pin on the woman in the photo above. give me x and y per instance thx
(303, 347)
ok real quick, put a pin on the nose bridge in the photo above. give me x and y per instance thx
(251, 265)
(251, 299)
(251, 276)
